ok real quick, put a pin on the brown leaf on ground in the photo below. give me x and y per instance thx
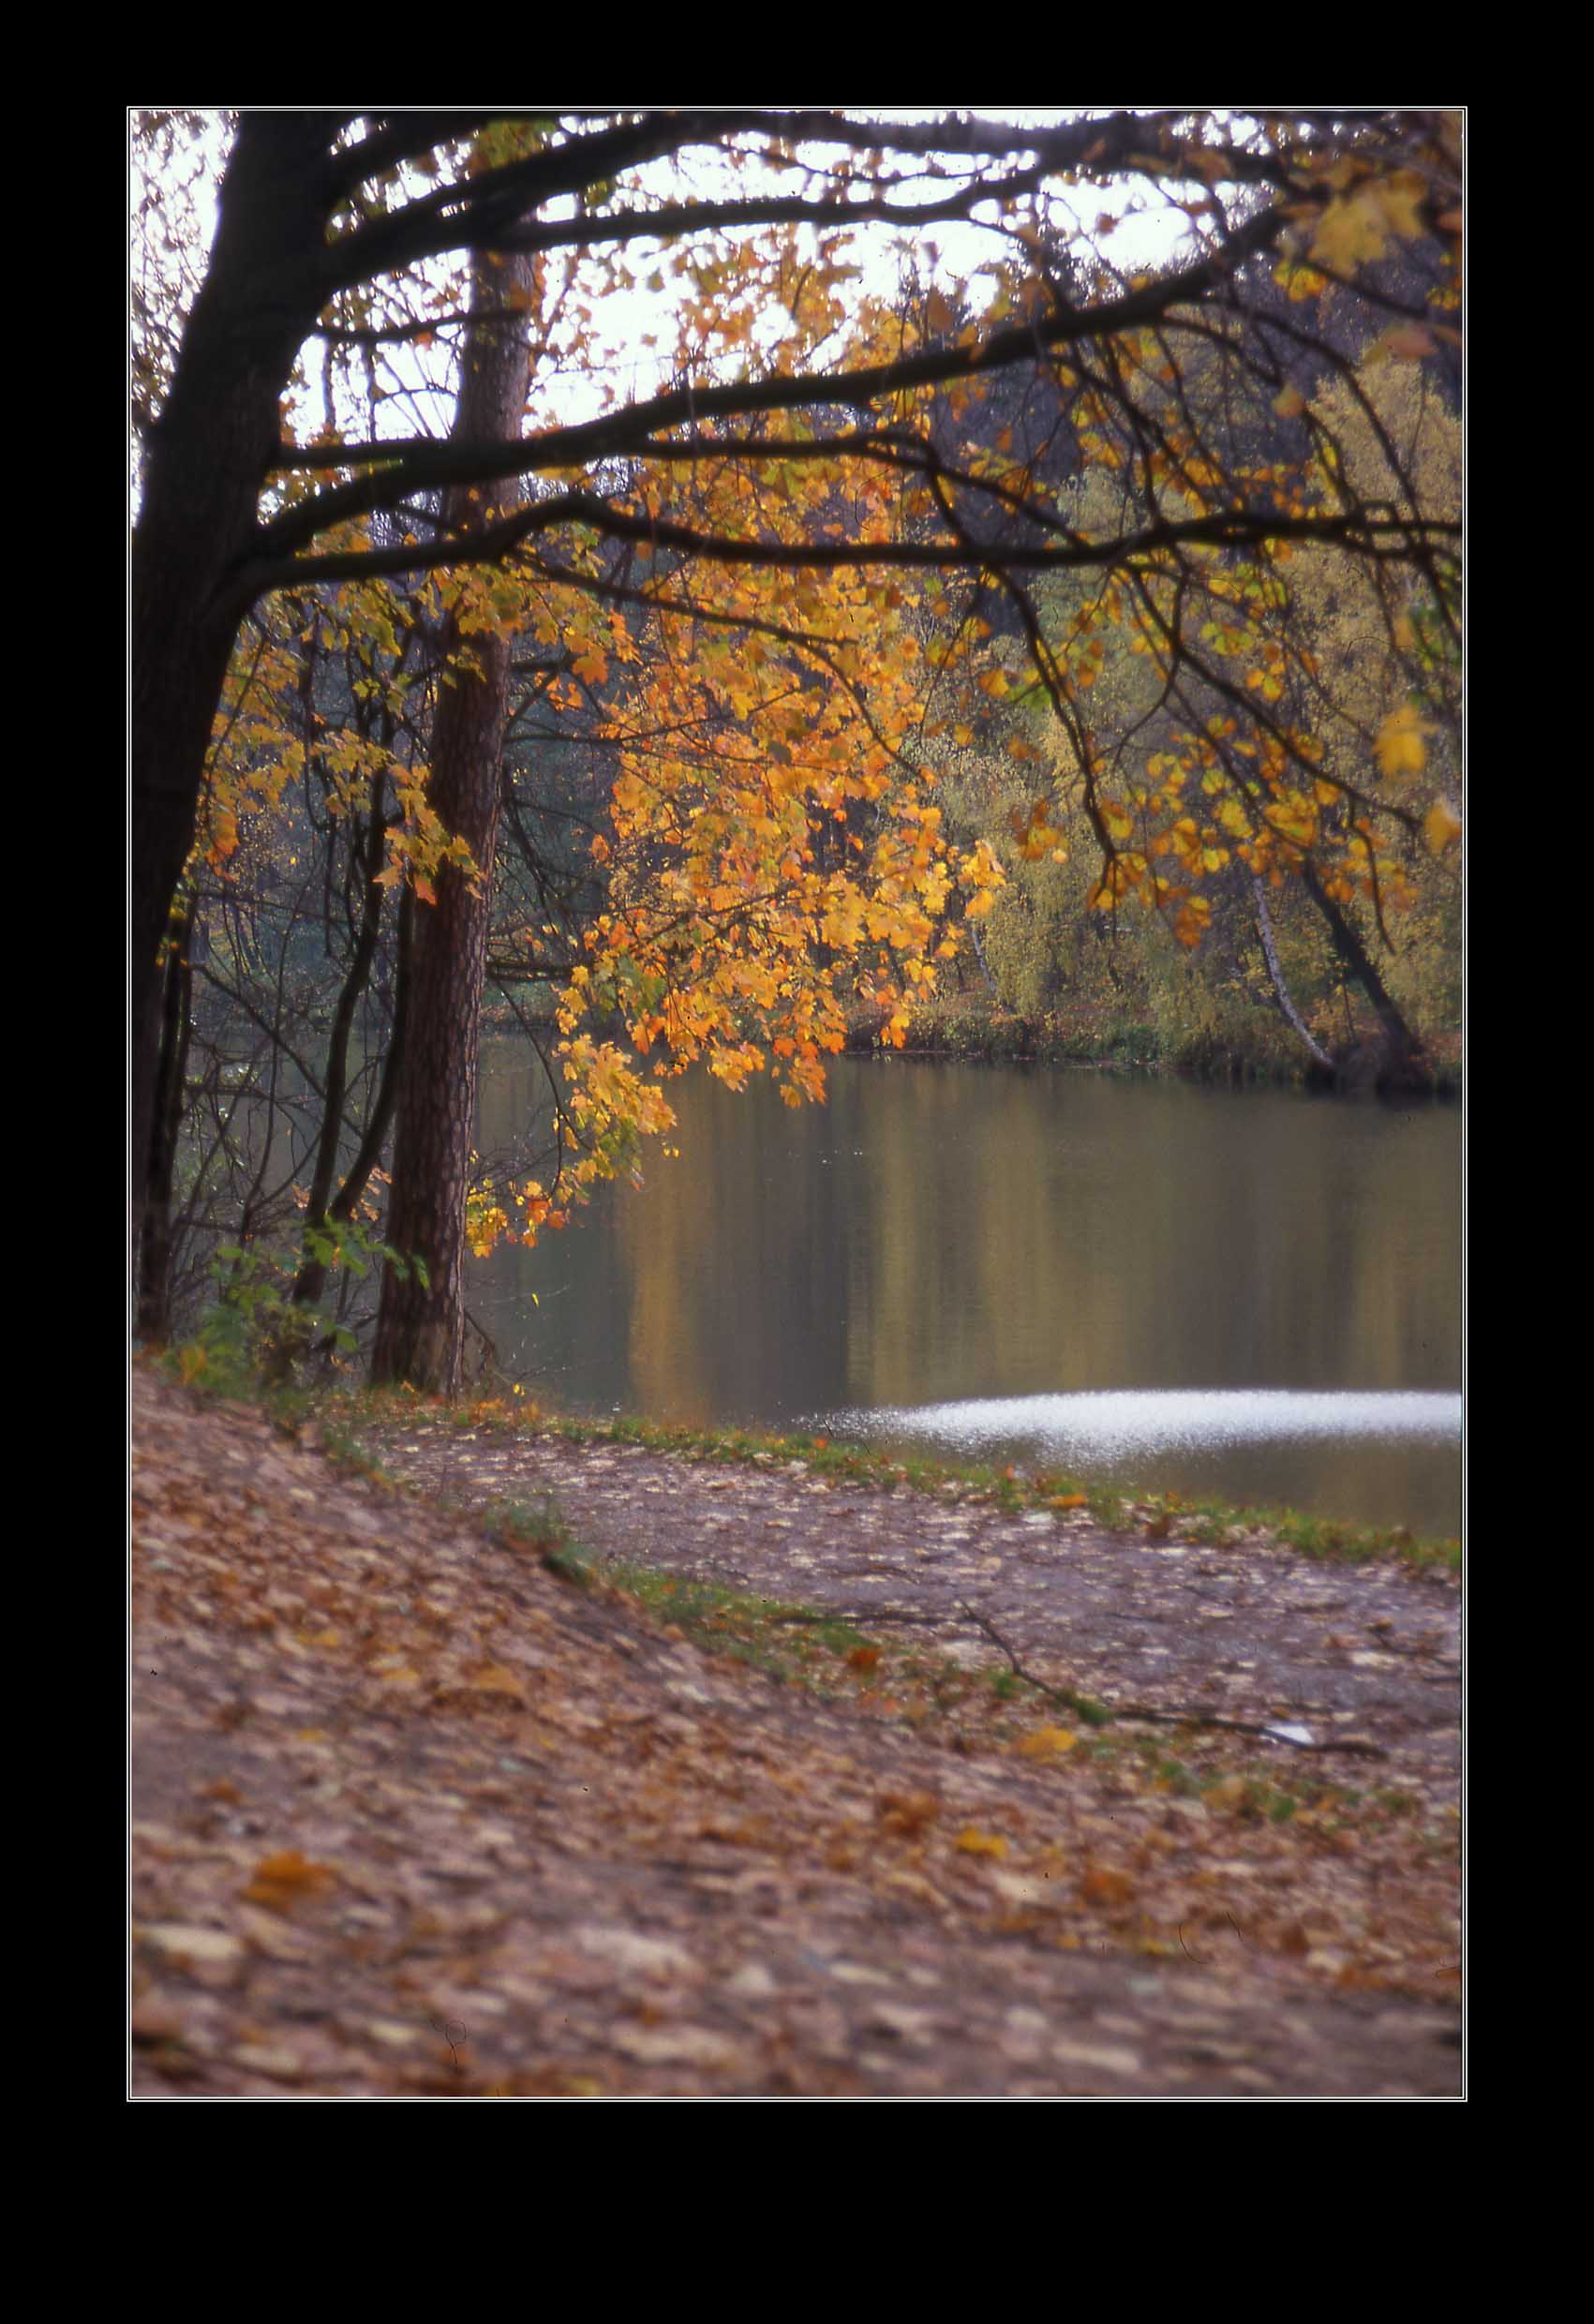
(607, 1859)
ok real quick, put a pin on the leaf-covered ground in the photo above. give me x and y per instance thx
(419, 1811)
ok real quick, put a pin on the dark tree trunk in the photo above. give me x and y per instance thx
(1404, 1064)
(155, 1254)
(421, 1324)
(322, 1209)
(206, 463)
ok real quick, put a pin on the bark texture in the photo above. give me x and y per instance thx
(206, 462)
(421, 1323)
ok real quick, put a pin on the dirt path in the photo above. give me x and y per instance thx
(415, 1815)
(1367, 1660)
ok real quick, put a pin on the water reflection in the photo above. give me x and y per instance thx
(1115, 1426)
(942, 1235)
(1175, 1438)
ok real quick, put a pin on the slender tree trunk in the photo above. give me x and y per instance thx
(1281, 991)
(421, 1324)
(1405, 1065)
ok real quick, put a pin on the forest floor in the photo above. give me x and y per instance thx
(751, 1781)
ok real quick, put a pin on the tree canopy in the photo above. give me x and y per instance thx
(1116, 446)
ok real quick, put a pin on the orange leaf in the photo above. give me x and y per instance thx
(280, 1880)
(1101, 1884)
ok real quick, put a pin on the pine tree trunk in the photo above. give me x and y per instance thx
(421, 1324)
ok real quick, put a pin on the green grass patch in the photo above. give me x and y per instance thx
(787, 1642)
(539, 1527)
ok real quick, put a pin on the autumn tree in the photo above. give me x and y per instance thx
(791, 440)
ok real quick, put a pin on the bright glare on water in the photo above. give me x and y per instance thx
(1108, 1431)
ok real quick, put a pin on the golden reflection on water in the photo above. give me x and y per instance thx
(942, 1233)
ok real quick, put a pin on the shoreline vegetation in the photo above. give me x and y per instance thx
(970, 1028)
(1101, 1038)
(337, 1414)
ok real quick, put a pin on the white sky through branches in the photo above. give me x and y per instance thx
(626, 344)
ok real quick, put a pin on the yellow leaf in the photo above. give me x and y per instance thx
(1442, 827)
(1047, 1742)
(1400, 200)
(974, 1843)
(1353, 229)
(1399, 746)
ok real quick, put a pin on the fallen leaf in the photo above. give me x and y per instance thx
(907, 1813)
(1102, 1884)
(183, 1943)
(497, 1678)
(281, 1879)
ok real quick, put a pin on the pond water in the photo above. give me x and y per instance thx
(1250, 1293)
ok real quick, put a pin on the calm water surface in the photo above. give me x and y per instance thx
(1250, 1293)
